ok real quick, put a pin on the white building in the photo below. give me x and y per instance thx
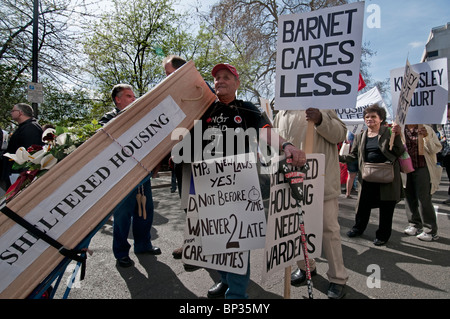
(438, 46)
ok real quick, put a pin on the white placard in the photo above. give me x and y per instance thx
(283, 240)
(234, 262)
(318, 58)
(429, 100)
(56, 214)
(229, 203)
(355, 116)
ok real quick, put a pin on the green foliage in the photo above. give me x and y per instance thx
(127, 44)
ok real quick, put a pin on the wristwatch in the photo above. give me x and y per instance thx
(286, 144)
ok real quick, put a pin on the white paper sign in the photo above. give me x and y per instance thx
(355, 116)
(229, 203)
(234, 262)
(318, 58)
(430, 98)
(283, 240)
(79, 193)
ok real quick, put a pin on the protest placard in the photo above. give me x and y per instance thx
(318, 58)
(355, 116)
(193, 254)
(229, 203)
(283, 245)
(409, 84)
(429, 100)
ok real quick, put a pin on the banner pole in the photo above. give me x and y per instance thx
(287, 282)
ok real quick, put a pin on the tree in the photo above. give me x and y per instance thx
(127, 45)
(56, 47)
(250, 28)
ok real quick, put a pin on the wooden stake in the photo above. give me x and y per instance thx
(287, 282)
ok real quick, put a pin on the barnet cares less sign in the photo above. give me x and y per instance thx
(318, 58)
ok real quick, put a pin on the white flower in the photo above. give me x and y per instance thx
(70, 149)
(62, 139)
(48, 161)
(21, 156)
(36, 157)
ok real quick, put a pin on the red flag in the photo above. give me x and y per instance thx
(361, 83)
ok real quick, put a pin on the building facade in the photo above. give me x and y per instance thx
(438, 46)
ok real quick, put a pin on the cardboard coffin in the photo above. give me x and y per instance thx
(70, 200)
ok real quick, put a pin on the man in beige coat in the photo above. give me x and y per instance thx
(329, 130)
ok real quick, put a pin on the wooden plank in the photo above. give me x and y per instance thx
(191, 94)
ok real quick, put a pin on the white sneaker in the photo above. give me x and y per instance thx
(411, 231)
(427, 237)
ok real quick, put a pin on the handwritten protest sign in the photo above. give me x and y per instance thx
(318, 58)
(429, 100)
(409, 84)
(283, 245)
(234, 262)
(229, 203)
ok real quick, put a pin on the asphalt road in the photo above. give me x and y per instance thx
(408, 267)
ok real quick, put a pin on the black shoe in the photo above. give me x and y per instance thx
(125, 262)
(336, 291)
(152, 251)
(218, 290)
(299, 276)
(354, 233)
(190, 268)
(178, 253)
(378, 242)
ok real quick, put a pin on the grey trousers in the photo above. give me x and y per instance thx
(419, 208)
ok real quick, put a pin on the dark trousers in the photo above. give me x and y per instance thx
(446, 163)
(126, 216)
(370, 198)
(419, 209)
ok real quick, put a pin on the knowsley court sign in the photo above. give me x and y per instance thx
(428, 103)
(318, 58)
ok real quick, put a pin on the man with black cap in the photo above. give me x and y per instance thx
(230, 113)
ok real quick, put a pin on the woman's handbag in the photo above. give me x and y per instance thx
(406, 165)
(378, 172)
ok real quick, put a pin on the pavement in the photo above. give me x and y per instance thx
(406, 267)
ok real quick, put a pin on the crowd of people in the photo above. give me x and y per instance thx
(370, 146)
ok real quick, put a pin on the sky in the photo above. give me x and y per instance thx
(403, 31)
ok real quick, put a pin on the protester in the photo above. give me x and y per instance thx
(28, 133)
(373, 146)
(236, 114)
(329, 130)
(446, 150)
(170, 64)
(127, 212)
(422, 182)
